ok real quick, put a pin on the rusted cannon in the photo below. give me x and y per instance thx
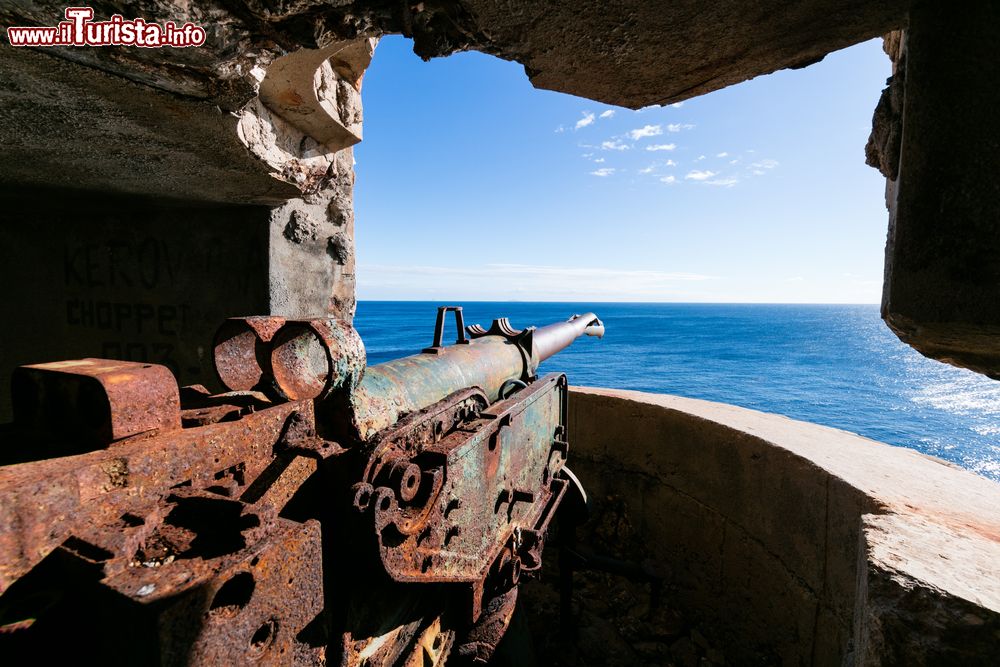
(316, 512)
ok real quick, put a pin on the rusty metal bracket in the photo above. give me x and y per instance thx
(86, 404)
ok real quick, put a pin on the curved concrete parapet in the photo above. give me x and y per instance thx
(800, 542)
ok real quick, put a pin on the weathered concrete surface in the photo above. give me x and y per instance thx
(241, 36)
(125, 278)
(151, 279)
(316, 90)
(882, 149)
(182, 123)
(630, 52)
(116, 154)
(772, 526)
(942, 276)
(67, 126)
(161, 121)
(634, 53)
(928, 595)
(311, 250)
(64, 125)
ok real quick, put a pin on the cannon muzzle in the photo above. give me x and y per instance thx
(556, 337)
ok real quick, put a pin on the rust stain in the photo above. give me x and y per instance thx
(290, 98)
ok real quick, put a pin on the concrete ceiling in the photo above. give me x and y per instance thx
(159, 121)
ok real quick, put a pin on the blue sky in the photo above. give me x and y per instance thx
(472, 185)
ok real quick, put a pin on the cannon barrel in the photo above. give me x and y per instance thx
(558, 336)
(488, 360)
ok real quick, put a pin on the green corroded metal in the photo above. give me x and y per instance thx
(392, 390)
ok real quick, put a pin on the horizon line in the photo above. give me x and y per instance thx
(680, 303)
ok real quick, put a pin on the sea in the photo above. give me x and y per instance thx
(837, 365)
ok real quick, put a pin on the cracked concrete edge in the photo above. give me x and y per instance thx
(926, 594)
(307, 110)
(317, 91)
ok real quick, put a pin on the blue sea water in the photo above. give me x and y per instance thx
(830, 364)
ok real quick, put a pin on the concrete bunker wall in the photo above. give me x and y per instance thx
(137, 220)
(147, 279)
(128, 278)
(798, 541)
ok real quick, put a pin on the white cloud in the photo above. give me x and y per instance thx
(677, 127)
(646, 131)
(699, 158)
(598, 159)
(696, 175)
(608, 114)
(677, 105)
(723, 154)
(760, 168)
(723, 182)
(670, 163)
(661, 147)
(614, 145)
(669, 179)
(647, 170)
(560, 129)
(505, 282)
(603, 171)
(588, 119)
(736, 161)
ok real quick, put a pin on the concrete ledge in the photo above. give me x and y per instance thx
(798, 541)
